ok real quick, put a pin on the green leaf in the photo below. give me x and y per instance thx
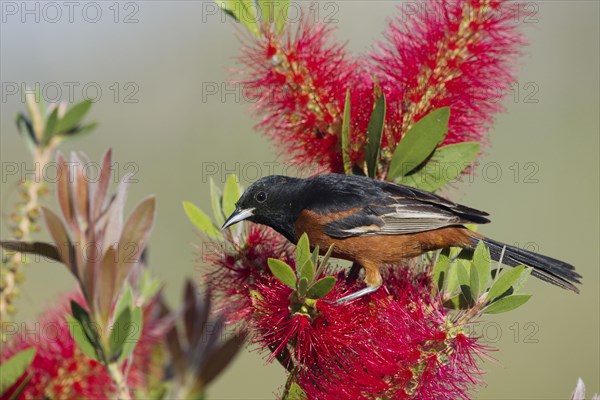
(307, 270)
(124, 301)
(283, 272)
(72, 117)
(201, 220)
(15, 367)
(440, 270)
(445, 165)
(346, 135)
(474, 282)
(457, 302)
(302, 286)
(216, 197)
(482, 261)
(89, 329)
(419, 142)
(134, 332)
(504, 282)
(242, 11)
(231, 194)
(295, 393)
(375, 130)
(83, 342)
(321, 287)
(50, 126)
(452, 281)
(507, 303)
(302, 250)
(274, 12)
(81, 130)
(522, 279)
(315, 256)
(119, 333)
(464, 279)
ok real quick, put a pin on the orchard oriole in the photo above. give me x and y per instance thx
(374, 223)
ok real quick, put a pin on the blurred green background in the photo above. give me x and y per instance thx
(172, 58)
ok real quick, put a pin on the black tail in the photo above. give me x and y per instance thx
(546, 268)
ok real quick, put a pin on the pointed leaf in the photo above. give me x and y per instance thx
(73, 116)
(124, 301)
(346, 135)
(522, 279)
(119, 333)
(274, 13)
(419, 142)
(231, 194)
(445, 165)
(134, 332)
(440, 270)
(216, 197)
(63, 186)
(302, 250)
(302, 286)
(507, 303)
(474, 282)
(102, 184)
(452, 283)
(464, 279)
(50, 126)
(201, 220)
(482, 261)
(81, 192)
(324, 261)
(375, 130)
(504, 282)
(221, 358)
(295, 393)
(15, 367)
(61, 239)
(242, 11)
(457, 302)
(108, 287)
(83, 342)
(321, 287)
(43, 249)
(283, 272)
(34, 103)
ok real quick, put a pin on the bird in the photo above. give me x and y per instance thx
(374, 223)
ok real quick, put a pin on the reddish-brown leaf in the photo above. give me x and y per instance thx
(63, 242)
(103, 184)
(219, 359)
(47, 250)
(134, 236)
(81, 193)
(64, 190)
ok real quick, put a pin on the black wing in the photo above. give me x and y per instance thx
(395, 209)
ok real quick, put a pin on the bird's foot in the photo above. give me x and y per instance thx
(357, 294)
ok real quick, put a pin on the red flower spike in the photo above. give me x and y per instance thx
(61, 370)
(233, 274)
(460, 55)
(395, 342)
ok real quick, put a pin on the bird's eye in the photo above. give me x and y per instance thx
(261, 197)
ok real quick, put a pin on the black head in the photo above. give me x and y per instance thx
(273, 201)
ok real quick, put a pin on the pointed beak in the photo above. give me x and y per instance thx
(237, 216)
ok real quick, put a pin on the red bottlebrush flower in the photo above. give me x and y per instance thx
(61, 371)
(457, 54)
(234, 269)
(299, 84)
(395, 343)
